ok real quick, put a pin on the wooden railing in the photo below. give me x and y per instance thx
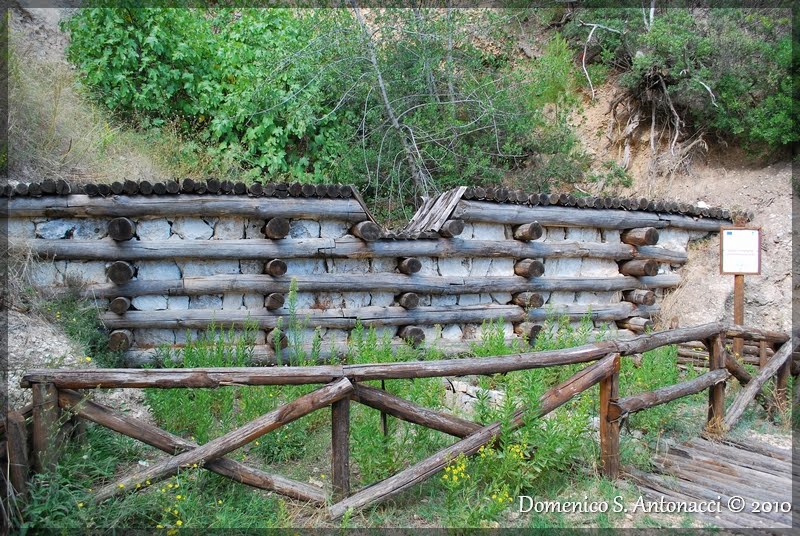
(54, 389)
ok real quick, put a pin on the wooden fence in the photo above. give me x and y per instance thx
(55, 390)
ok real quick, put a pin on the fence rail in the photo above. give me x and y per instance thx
(54, 389)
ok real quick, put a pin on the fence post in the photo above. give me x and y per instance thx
(782, 382)
(17, 436)
(45, 426)
(716, 393)
(340, 448)
(609, 424)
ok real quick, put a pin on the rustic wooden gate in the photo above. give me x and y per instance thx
(55, 389)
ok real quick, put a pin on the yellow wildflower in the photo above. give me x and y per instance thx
(179, 522)
(80, 505)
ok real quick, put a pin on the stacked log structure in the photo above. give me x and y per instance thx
(166, 260)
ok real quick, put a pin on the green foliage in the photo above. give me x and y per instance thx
(213, 73)
(195, 498)
(79, 320)
(743, 56)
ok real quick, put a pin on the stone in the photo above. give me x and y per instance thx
(348, 266)
(305, 266)
(149, 303)
(563, 267)
(304, 300)
(304, 229)
(452, 332)
(333, 228)
(153, 337)
(383, 265)
(611, 236)
(197, 268)
(444, 300)
(469, 299)
(252, 228)
(183, 336)
(429, 266)
(178, 303)
(19, 228)
(159, 229)
(583, 234)
(673, 239)
(205, 302)
(192, 229)
(561, 298)
(382, 299)
(599, 268)
(253, 301)
(77, 228)
(251, 267)
(488, 231)
(454, 267)
(229, 229)
(356, 300)
(88, 272)
(554, 234)
(46, 273)
(468, 232)
(157, 270)
(232, 301)
(502, 298)
(432, 333)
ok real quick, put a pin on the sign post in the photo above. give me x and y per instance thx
(740, 255)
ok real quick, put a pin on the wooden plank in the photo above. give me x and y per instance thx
(172, 444)
(437, 285)
(742, 457)
(45, 426)
(233, 440)
(421, 471)
(736, 409)
(758, 447)
(609, 426)
(17, 444)
(413, 413)
(716, 392)
(340, 448)
(649, 399)
(345, 247)
(186, 205)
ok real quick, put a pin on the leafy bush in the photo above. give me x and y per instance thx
(725, 70)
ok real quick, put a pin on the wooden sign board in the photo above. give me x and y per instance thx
(740, 251)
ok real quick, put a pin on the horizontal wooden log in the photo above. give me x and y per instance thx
(643, 236)
(749, 392)
(367, 230)
(120, 272)
(423, 470)
(636, 324)
(185, 205)
(413, 413)
(644, 343)
(121, 229)
(172, 444)
(640, 296)
(755, 334)
(451, 228)
(529, 268)
(529, 231)
(638, 267)
(367, 316)
(477, 211)
(185, 378)
(108, 250)
(640, 401)
(276, 228)
(247, 283)
(233, 440)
